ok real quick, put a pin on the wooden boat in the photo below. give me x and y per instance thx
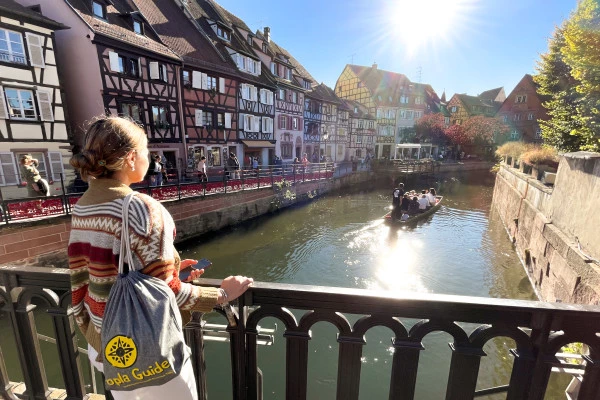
(416, 217)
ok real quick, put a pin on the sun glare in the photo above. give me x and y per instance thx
(423, 23)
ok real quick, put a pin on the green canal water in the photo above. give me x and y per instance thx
(340, 240)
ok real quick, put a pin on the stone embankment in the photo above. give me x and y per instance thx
(555, 230)
(44, 241)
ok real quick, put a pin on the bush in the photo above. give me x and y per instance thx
(512, 149)
(537, 155)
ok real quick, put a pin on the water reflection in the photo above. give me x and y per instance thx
(342, 241)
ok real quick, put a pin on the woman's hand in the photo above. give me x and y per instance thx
(234, 287)
(195, 273)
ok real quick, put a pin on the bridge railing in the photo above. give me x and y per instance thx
(14, 210)
(539, 331)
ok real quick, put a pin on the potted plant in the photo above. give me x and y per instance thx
(541, 159)
(511, 151)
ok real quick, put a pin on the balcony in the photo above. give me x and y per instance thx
(12, 58)
(539, 330)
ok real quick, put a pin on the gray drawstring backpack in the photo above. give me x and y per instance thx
(142, 336)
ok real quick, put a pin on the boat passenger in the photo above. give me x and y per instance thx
(405, 202)
(431, 196)
(413, 206)
(404, 216)
(423, 203)
(396, 196)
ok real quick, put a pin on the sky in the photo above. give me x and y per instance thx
(460, 46)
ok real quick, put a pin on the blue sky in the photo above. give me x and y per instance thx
(462, 46)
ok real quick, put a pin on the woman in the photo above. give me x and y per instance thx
(413, 206)
(202, 169)
(115, 156)
(36, 186)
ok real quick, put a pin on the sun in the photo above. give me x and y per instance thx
(418, 24)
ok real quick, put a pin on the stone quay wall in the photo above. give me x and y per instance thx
(44, 241)
(556, 230)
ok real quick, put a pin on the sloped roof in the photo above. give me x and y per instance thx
(471, 101)
(491, 95)
(203, 11)
(119, 28)
(298, 69)
(181, 35)
(324, 93)
(22, 13)
(383, 84)
(361, 110)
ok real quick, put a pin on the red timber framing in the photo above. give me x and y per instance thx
(148, 95)
(209, 106)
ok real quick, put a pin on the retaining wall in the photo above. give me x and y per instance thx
(545, 224)
(44, 241)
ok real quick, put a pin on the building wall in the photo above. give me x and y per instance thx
(544, 224)
(46, 136)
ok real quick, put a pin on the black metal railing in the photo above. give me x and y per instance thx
(539, 331)
(179, 185)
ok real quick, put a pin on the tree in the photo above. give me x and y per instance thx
(431, 128)
(582, 53)
(456, 135)
(484, 131)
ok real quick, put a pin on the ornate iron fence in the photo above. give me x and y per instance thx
(539, 330)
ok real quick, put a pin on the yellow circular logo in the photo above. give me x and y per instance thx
(120, 352)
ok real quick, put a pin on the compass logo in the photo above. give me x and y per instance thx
(121, 352)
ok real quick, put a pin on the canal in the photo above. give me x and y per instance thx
(340, 240)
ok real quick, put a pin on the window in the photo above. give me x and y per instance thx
(295, 123)
(207, 118)
(453, 109)
(538, 133)
(418, 100)
(306, 84)
(214, 155)
(99, 9)
(187, 79)
(250, 40)
(158, 71)
(133, 68)
(294, 97)
(390, 98)
(359, 139)
(404, 99)
(418, 114)
(409, 114)
(265, 47)
(379, 113)
(223, 33)
(11, 47)
(211, 82)
(282, 122)
(371, 124)
(514, 135)
(159, 117)
(20, 104)
(358, 153)
(221, 119)
(138, 27)
(530, 116)
(447, 120)
(361, 124)
(517, 117)
(505, 118)
(131, 110)
(286, 150)
(281, 94)
(521, 99)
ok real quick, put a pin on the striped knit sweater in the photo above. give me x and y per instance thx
(94, 248)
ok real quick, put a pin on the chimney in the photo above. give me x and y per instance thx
(268, 34)
(374, 66)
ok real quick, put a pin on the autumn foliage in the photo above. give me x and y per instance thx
(477, 130)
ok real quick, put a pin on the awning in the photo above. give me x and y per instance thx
(258, 143)
(413, 145)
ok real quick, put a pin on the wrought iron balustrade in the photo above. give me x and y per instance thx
(539, 330)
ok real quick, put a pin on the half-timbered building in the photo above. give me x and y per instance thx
(32, 113)
(117, 64)
(396, 102)
(522, 110)
(208, 84)
(255, 90)
(289, 99)
(328, 103)
(361, 130)
(464, 106)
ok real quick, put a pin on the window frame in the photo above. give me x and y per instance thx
(102, 7)
(9, 108)
(186, 83)
(131, 103)
(10, 53)
(140, 24)
(162, 124)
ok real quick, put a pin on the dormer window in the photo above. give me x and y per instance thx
(265, 47)
(138, 27)
(223, 33)
(99, 9)
(250, 40)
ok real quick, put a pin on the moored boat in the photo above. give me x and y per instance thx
(416, 217)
